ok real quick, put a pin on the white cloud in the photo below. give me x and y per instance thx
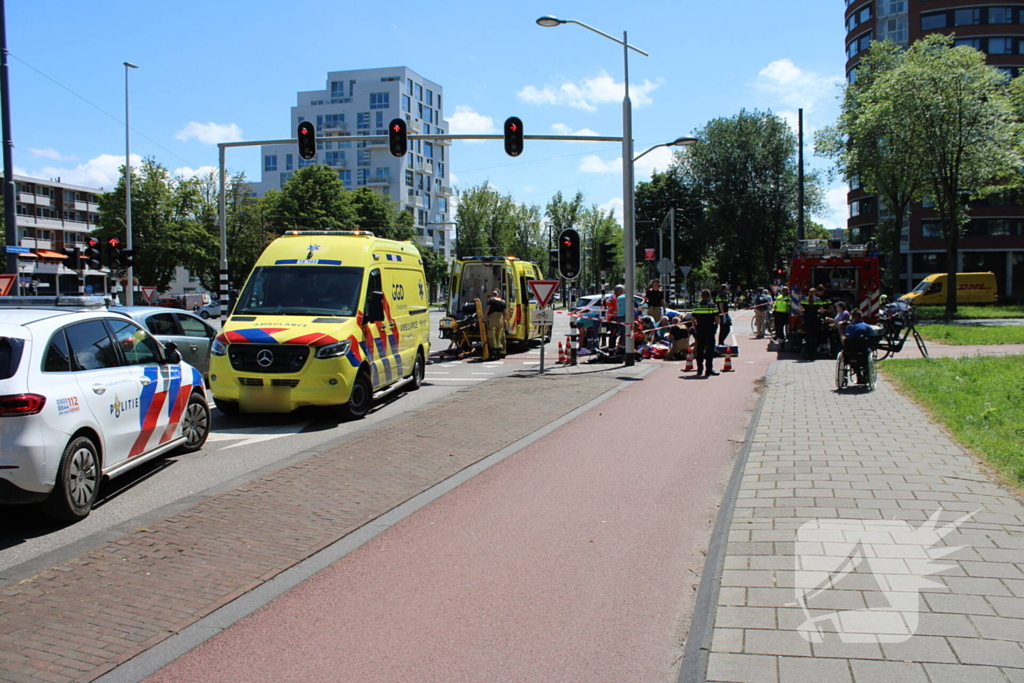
(595, 164)
(835, 198)
(791, 86)
(563, 129)
(613, 205)
(466, 121)
(589, 92)
(453, 179)
(101, 172)
(210, 133)
(51, 153)
(189, 172)
(657, 159)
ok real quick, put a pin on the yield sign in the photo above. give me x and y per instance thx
(543, 289)
(6, 282)
(148, 292)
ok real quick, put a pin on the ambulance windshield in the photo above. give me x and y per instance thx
(478, 281)
(302, 290)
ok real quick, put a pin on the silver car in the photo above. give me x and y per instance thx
(191, 334)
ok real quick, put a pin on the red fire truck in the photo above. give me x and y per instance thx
(847, 272)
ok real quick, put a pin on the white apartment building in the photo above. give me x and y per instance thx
(52, 216)
(363, 102)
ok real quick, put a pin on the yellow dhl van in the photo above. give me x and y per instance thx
(971, 288)
(475, 277)
(326, 318)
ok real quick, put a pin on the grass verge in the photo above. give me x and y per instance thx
(979, 399)
(969, 335)
(970, 312)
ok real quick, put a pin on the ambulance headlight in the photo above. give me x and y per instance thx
(218, 348)
(334, 350)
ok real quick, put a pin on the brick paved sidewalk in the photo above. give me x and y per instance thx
(82, 618)
(875, 464)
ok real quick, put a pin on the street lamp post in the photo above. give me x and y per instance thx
(628, 226)
(130, 275)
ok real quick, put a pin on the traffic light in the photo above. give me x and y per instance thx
(552, 261)
(398, 137)
(93, 256)
(607, 252)
(127, 258)
(513, 136)
(569, 254)
(74, 261)
(307, 140)
(116, 254)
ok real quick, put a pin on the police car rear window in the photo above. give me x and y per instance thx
(10, 356)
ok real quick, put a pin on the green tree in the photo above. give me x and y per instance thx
(485, 222)
(877, 150)
(673, 189)
(959, 120)
(315, 199)
(435, 268)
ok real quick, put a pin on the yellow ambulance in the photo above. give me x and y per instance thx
(475, 277)
(971, 288)
(326, 318)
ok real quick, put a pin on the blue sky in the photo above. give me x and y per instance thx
(222, 70)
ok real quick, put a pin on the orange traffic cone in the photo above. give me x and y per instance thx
(561, 353)
(728, 364)
(689, 360)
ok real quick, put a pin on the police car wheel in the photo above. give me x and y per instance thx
(361, 398)
(418, 371)
(195, 424)
(78, 482)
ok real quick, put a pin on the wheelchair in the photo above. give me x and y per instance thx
(855, 365)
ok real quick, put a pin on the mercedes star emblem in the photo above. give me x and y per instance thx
(265, 358)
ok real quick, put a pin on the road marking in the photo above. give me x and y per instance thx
(483, 373)
(458, 379)
(251, 435)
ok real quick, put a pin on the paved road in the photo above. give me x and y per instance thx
(239, 448)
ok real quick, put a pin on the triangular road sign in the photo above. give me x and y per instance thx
(543, 290)
(6, 282)
(148, 292)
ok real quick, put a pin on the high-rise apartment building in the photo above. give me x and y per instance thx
(363, 102)
(995, 237)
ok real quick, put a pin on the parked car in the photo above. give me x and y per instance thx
(191, 334)
(170, 302)
(209, 311)
(86, 394)
(590, 306)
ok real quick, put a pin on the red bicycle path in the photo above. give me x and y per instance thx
(576, 558)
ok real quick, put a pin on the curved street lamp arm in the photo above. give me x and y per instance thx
(609, 37)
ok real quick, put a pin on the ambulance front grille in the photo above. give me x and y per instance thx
(260, 358)
(250, 381)
(285, 382)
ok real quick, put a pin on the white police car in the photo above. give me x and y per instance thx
(86, 394)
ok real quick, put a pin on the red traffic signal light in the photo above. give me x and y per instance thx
(398, 137)
(569, 254)
(513, 136)
(307, 140)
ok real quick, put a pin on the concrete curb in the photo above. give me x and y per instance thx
(702, 624)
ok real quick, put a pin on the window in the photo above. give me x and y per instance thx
(440, 170)
(419, 92)
(854, 183)
(934, 21)
(162, 324)
(408, 178)
(854, 209)
(335, 158)
(406, 103)
(442, 204)
(362, 176)
(893, 29)
(1001, 15)
(858, 45)
(319, 123)
(137, 347)
(931, 228)
(193, 327)
(337, 88)
(334, 121)
(426, 201)
(408, 87)
(351, 88)
(363, 157)
(57, 358)
(304, 163)
(1000, 46)
(430, 97)
(270, 162)
(91, 346)
(288, 162)
(363, 120)
(383, 174)
(889, 7)
(966, 17)
(439, 107)
(345, 177)
(969, 42)
(380, 100)
(285, 177)
(428, 150)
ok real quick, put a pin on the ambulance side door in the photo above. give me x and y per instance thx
(375, 331)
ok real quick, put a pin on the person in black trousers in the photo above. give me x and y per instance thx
(706, 317)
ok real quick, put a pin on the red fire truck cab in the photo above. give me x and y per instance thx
(846, 271)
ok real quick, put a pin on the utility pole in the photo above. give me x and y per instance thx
(10, 210)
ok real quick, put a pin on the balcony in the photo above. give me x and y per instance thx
(415, 126)
(82, 206)
(336, 127)
(378, 182)
(426, 166)
(414, 201)
(336, 163)
(444, 191)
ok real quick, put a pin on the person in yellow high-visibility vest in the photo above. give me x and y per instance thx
(781, 309)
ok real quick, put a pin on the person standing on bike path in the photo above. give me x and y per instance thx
(781, 309)
(706, 316)
(722, 301)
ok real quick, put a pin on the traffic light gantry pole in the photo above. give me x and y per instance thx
(222, 175)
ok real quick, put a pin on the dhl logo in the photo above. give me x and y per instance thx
(965, 286)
